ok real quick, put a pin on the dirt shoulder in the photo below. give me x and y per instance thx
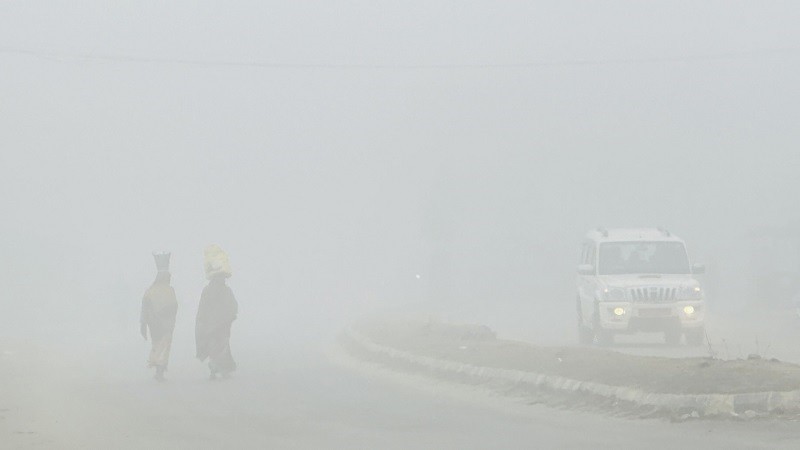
(46, 402)
(24, 396)
(477, 345)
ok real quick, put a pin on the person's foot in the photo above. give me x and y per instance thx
(226, 375)
(213, 376)
(160, 375)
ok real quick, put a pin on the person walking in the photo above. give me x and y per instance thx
(159, 308)
(215, 315)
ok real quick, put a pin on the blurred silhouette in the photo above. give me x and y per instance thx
(159, 308)
(215, 315)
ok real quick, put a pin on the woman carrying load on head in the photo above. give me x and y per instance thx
(215, 315)
(159, 308)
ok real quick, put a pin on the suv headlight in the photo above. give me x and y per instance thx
(691, 293)
(614, 294)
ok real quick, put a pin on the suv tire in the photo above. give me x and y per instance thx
(585, 334)
(604, 338)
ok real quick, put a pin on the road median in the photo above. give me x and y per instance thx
(677, 387)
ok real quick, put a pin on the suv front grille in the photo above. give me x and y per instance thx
(653, 294)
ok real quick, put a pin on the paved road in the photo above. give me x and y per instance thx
(289, 395)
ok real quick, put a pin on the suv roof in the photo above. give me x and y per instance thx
(631, 234)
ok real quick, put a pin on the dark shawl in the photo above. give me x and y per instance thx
(217, 310)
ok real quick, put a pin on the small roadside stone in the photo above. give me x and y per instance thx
(687, 416)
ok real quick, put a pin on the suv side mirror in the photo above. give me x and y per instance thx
(698, 269)
(585, 269)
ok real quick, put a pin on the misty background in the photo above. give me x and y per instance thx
(336, 150)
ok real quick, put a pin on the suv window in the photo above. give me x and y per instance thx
(643, 257)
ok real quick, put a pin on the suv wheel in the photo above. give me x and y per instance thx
(604, 337)
(585, 334)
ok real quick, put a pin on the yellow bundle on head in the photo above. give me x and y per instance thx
(216, 262)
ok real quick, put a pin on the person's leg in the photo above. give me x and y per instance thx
(160, 373)
(159, 352)
(224, 359)
(219, 359)
(213, 368)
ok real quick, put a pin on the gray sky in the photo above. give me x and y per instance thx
(473, 142)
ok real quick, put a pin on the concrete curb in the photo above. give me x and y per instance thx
(700, 405)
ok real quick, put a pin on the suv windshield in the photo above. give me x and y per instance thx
(643, 257)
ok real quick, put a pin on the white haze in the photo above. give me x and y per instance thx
(338, 149)
(332, 187)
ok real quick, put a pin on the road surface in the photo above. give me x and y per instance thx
(288, 394)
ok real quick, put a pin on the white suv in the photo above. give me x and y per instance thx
(638, 280)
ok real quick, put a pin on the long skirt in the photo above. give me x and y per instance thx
(217, 346)
(159, 352)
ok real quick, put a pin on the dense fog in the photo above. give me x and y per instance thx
(354, 146)
(355, 158)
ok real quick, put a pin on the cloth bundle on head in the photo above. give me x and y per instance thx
(216, 262)
(162, 261)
